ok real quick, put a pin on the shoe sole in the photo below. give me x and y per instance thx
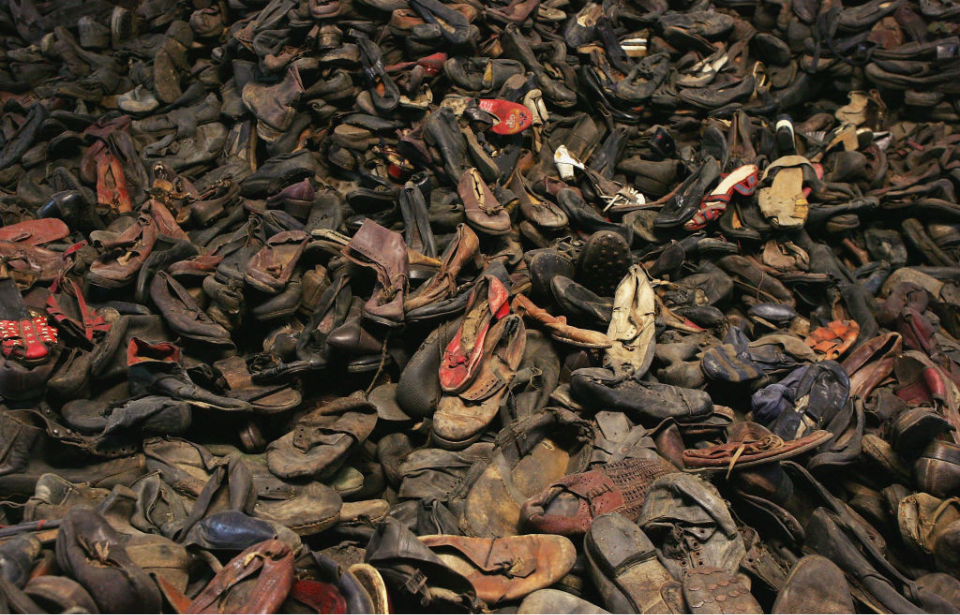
(604, 260)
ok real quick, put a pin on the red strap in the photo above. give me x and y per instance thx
(91, 322)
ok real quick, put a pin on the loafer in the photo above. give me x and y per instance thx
(484, 212)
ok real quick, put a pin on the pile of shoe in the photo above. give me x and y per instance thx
(519, 306)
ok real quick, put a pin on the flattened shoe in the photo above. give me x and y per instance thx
(750, 444)
(314, 509)
(632, 329)
(510, 568)
(647, 403)
(322, 439)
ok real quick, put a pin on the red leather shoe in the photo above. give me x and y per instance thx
(461, 358)
(513, 117)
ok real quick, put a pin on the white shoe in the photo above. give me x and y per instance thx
(566, 163)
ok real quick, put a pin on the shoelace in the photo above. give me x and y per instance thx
(765, 443)
(490, 210)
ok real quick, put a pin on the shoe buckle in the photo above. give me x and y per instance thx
(415, 582)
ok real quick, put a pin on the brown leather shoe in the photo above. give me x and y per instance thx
(872, 363)
(484, 212)
(29, 264)
(19, 433)
(443, 284)
(123, 256)
(937, 470)
(59, 593)
(35, 232)
(815, 585)
(182, 313)
(319, 444)
(510, 568)
(542, 213)
(385, 252)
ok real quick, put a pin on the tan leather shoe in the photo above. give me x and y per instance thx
(443, 284)
(557, 326)
(504, 569)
